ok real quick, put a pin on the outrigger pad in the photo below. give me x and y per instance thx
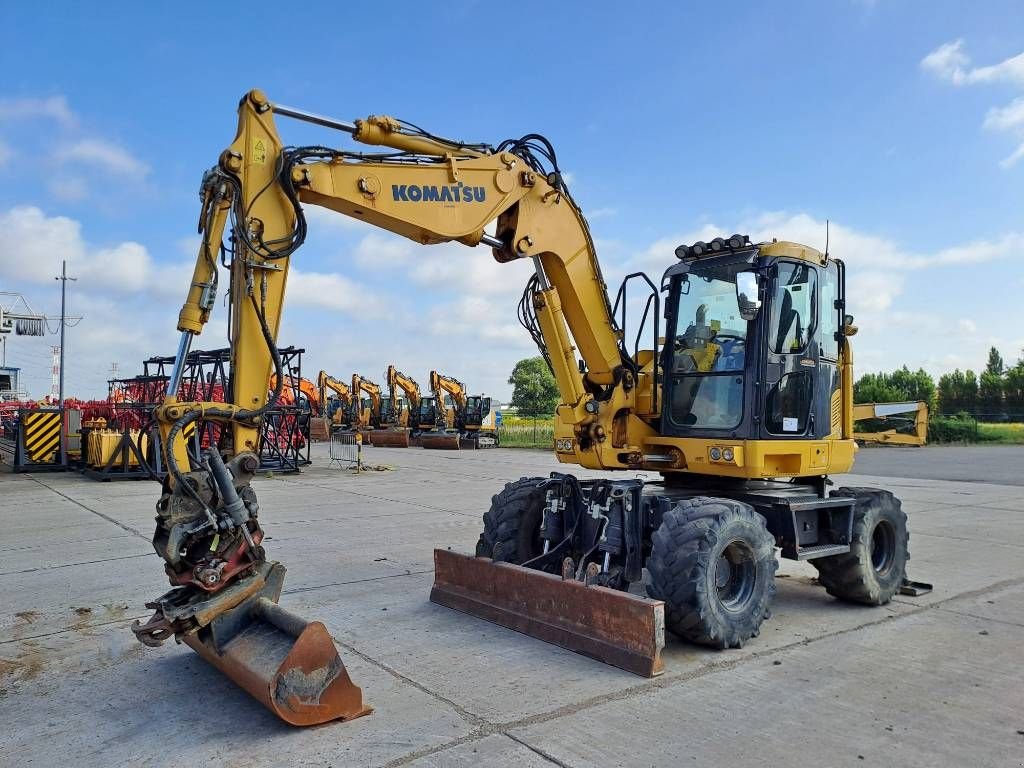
(289, 665)
(618, 628)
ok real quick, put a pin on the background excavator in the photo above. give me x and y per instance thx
(745, 410)
(337, 413)
(465, 423)
(401, 408)
(365, 411)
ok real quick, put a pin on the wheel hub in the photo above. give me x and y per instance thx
(735, 575)
(883, 547)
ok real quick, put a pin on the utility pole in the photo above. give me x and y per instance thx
(63, 326)
(63, 321)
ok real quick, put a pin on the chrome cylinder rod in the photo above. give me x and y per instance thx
(309, 117)
(184, 345)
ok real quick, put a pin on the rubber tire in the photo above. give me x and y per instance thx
(852, 576)
(683, 564)
(512, 524)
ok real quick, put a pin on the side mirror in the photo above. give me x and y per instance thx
(747, 295)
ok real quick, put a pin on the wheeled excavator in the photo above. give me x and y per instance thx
(397, 422)
(744, 411)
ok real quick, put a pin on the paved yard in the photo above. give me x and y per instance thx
(933, 681)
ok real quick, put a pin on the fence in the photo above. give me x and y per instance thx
(527, 432)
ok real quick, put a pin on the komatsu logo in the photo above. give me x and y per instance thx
(429, 193)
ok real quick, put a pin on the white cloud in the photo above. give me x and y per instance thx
(380, 251)
(949, 62)
(1010, 117)
(481, 319)
(447, 267)
(105, 155)
(967, 326)
(69, 189)
(33, 244)
(333, 292)
(53, 108)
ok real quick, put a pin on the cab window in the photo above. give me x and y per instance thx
(793, 305)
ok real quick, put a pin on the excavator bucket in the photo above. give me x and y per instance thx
(445, 441)
(618, 628)
(288, 664)
(389, 438)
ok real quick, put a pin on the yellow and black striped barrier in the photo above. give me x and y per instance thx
(41, 431)
(38, 443)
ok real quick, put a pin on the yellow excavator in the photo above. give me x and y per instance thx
(338, 414)
(467, 423)
(444, 434)
(744, 409)
(365, 412)
(399, 411)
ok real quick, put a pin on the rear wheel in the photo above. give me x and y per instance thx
(512, 524)
(874, 568)
(713, 564)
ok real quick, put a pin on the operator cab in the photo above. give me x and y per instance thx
(477, 410)
(753, 340)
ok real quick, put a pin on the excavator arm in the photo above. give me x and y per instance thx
(397, 380)
(425, 188)
(442, 385)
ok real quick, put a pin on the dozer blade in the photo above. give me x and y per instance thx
(290, 665)
(445, 441)
(615, 627)
(389, 438)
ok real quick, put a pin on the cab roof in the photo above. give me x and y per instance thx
(791, 250)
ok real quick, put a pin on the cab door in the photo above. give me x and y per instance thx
(791, 354)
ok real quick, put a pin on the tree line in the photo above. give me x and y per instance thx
(997, 390)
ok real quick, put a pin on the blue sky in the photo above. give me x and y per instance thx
(901, 122)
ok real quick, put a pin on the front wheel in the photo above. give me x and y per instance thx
(874, 568)
(512, 524)
(713, 564)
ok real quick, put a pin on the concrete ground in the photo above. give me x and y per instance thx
(932, 681)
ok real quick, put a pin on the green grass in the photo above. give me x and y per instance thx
(957, 429)
(527, 435)
(1012, 434)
